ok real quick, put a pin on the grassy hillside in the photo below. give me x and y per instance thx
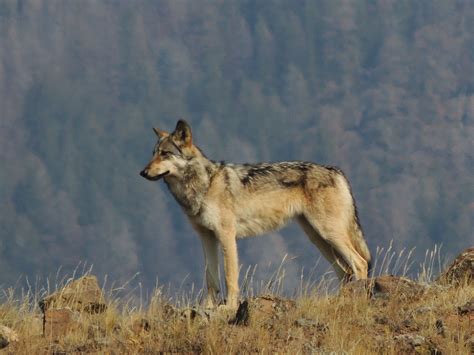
(391, 315)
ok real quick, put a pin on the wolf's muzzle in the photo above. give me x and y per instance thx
(144, 173)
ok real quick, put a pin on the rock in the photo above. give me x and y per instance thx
(7, 336)
(262, 307)
(62, 309)
(389, 285)
(466, 309)
(412, 339)
(383, 286)
(414, 343)
(168, 311)
(461, 270)
(92, 346)
(140, 325)
(310, 323)
(58, 322)
(356, 288)
(423, 309)
(195, 315)
(470, 344)
(83, 294)
(380, 319)
(440, 328)
(304, 323)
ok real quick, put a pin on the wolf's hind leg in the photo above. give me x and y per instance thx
(210, 246)
(337, 262)
(337, 236)
(342, 244)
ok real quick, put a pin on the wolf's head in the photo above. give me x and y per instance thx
(172, 153)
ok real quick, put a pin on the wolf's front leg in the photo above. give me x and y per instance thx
(228, 242)
(210, 247)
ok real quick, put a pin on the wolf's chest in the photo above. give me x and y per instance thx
(209, 216)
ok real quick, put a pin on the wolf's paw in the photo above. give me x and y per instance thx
(228, 310)
(226, 307)
(209, 305)
(212, 301)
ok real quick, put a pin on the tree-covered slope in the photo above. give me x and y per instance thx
(384, 90)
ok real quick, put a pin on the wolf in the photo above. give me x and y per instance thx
(225, 202)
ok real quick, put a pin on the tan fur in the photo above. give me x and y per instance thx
(225, 202)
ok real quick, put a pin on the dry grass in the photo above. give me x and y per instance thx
(316, 321)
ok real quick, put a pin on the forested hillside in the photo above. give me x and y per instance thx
(382, 89)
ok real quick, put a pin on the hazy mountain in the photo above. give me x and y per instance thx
(384, 90)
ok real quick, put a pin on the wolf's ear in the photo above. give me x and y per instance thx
(160, 134)
(182, 133)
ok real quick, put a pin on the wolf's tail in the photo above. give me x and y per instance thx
(359, 242)
(357, 236)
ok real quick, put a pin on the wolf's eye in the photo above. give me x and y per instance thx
(167, 153)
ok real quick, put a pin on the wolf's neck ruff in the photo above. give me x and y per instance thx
(190, 189)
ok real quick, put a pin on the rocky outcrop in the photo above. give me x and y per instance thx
(62, 309)
(7, 336)
(83, 294)
(59, 322)
(383, 287)
(461, 270)
(467, 309)
(414, 344)
(261, 308)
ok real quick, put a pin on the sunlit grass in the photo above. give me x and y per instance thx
(136, 322)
